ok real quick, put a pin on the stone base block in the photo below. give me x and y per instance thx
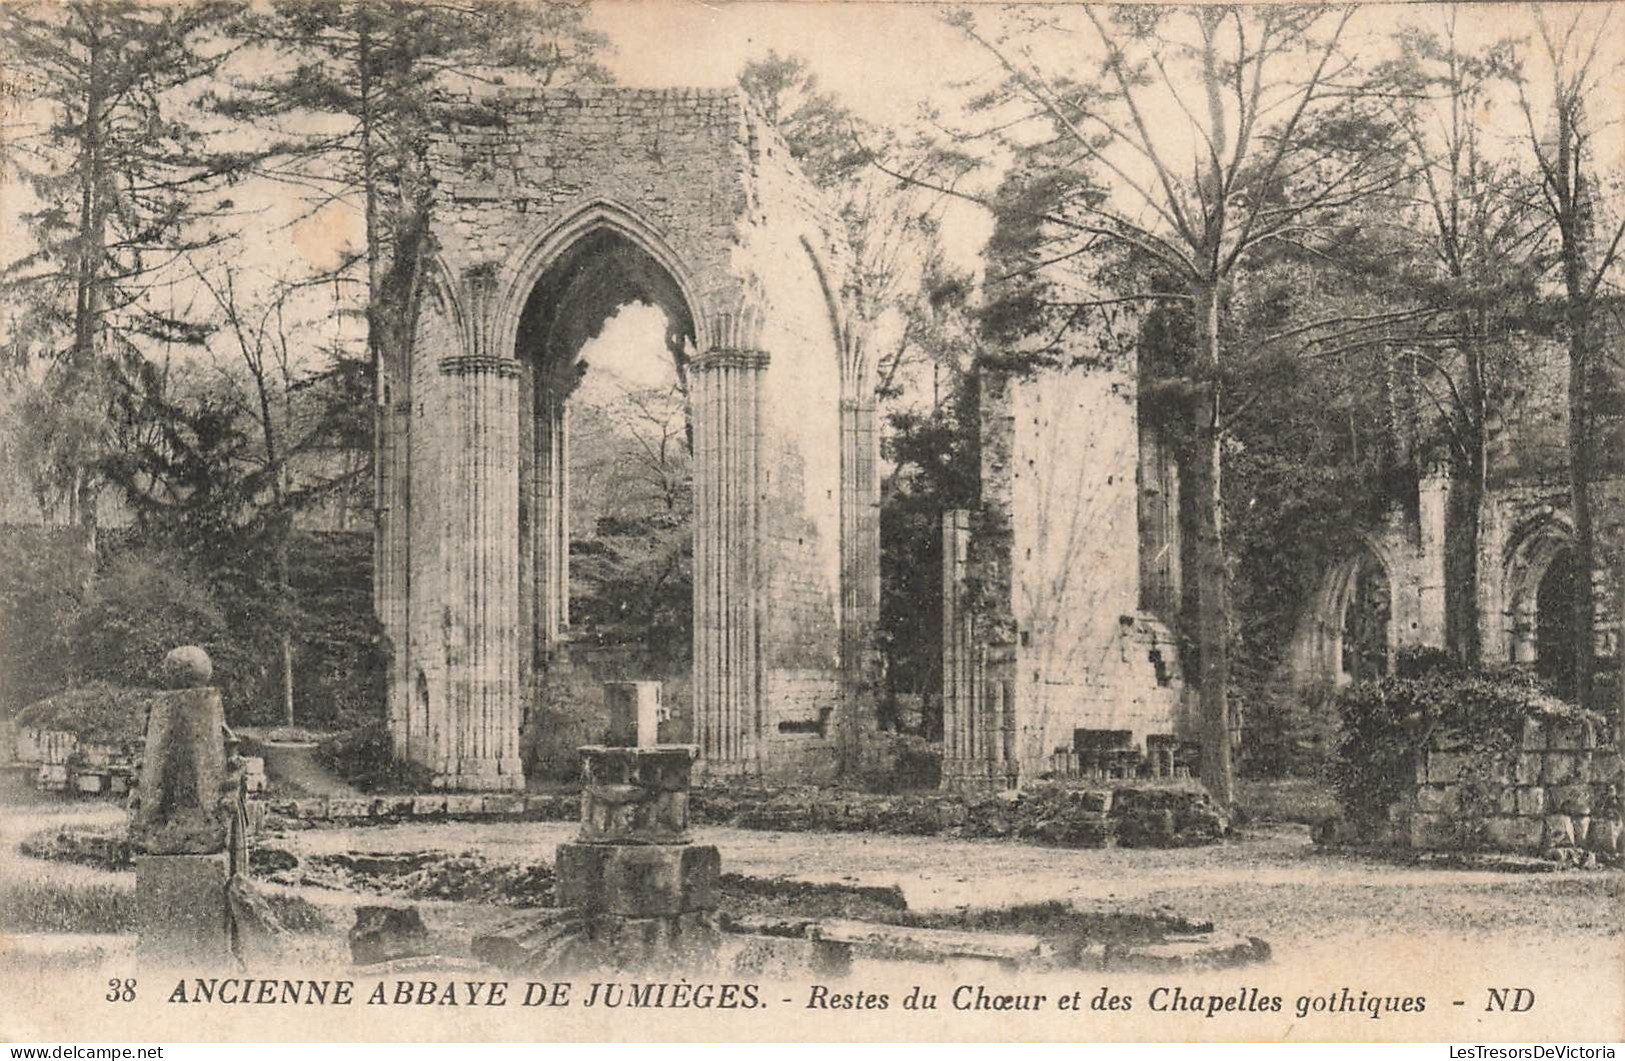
(1573, 800)
(1604, 836)
(1513, 834)
(1561, 768)
(480, 782)
(575, 943)
(1446, 767)
(631, 814)
(181, 909)
(351, 807)
(638, 880)
(1436, 831)
(1559, 831)
(511, 806)
(464, 804)
(667, 768)
(1438, 799)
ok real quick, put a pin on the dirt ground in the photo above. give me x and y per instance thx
(1332, 921)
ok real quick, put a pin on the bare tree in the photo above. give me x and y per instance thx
(1192, 140)
(1561, 137)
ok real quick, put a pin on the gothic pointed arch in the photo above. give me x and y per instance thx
(546, 245)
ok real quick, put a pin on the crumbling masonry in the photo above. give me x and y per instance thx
(562, 207)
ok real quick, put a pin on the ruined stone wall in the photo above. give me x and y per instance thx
(528, 157)
(700, 184)
(1081, 661)
(1059, 641)
(1557, 791)
(571, 710)
(418, 699)
(801, 471)
(1527, 520)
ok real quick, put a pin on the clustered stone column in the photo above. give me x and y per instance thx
(392, 540)
(724, 387)
(860, 569)
(476, 745)
(978, 693)
(1433, 502)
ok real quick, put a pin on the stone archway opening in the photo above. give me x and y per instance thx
(1555, 630)
(606, 513)
(1366, 649)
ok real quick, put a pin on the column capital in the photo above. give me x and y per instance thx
(479, 364)
(751, 359)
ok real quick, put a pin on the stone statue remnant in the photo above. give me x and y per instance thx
(635, 891)
(186, 819)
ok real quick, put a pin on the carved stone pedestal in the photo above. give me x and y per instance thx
(180, 909)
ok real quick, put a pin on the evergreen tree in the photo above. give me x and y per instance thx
(360, 86)
(120, 175)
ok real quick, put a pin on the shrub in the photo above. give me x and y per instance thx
(66, 906)
(146, 603)
(1431, 700)
(42, 591)
(365, 757)
(341, 662)
(1290, 733)
(100, 712)
(901, 762)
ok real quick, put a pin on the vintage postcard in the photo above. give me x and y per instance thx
(597, 520)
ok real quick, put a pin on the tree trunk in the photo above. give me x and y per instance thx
(369, 184)
(1572, 196)
(1213, 589)
(287, 680)
(1580, 475)
(1466, 638)
(1619, 654)
(285, 595)
(87, 308)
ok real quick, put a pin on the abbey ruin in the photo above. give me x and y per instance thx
(1062, 597)
(583, 201)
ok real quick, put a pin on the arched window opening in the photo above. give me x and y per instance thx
(606, 510)
(1555, 626)
(1367, 615)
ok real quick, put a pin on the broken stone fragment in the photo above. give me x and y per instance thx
(386, 933)
(654, 880)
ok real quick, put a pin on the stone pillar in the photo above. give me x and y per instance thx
(724, 386)
(393, 574)
(860, 573)
(476, 743)
(958, 687)
(180, 821)
(550, 523)
(1433, 507)
(634, 713)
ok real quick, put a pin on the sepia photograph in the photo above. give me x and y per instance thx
(811, 521)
